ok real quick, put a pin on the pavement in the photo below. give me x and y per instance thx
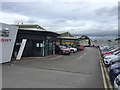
(78, 70)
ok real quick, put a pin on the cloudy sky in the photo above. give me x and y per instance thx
(88, 17)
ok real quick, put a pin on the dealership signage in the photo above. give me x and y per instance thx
(8, 35)
(5, 40)
(4, 32)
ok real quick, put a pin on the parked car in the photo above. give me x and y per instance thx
(80, 47)
(62, 50)
(92, 45)
(110, 58)
(96, 45)
(116, 49)
(72, 49)
(114, 53)
(114, 61)
(114, 71)
(87, 45)
(103, 48)
(117, 83)
(107, 59)
(108, 50)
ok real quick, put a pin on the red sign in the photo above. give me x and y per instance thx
(5, 40)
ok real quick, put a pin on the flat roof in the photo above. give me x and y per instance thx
(38, 30)
(68, 38)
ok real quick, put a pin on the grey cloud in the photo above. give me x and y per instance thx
(105, 11)
(99, 33)
(19, 21)
(81, 6)
(32, 9)
(12, 7)
(35, 9)
(46, 10)
(119, 11)
(113, 11)
(60, 21)
(25, 21)
(57, 15)
(31, 21)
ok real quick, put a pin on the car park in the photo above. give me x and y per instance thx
(114, 70)
(117, 83)
(111, 59)
(62, 50)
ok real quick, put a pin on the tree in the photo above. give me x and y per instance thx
(84, 37)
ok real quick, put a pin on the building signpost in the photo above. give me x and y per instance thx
(8, 35)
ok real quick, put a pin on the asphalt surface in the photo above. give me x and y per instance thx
(78, 70)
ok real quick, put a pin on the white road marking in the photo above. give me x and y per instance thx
(81, 56)
(56, 57)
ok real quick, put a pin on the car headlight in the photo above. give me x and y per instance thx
(116, 70)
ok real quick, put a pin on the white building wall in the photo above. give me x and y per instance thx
(7, 42)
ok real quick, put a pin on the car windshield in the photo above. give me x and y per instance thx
(62, 47)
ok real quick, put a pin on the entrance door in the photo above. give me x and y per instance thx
(28, 49)
(37, 48)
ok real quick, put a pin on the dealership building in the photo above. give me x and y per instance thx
(18, 41)
(65, 38)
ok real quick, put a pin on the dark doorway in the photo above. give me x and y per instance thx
(37, 48)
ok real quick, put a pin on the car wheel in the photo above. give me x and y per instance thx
(72, 51)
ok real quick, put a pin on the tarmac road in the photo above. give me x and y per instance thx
(78, 70)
